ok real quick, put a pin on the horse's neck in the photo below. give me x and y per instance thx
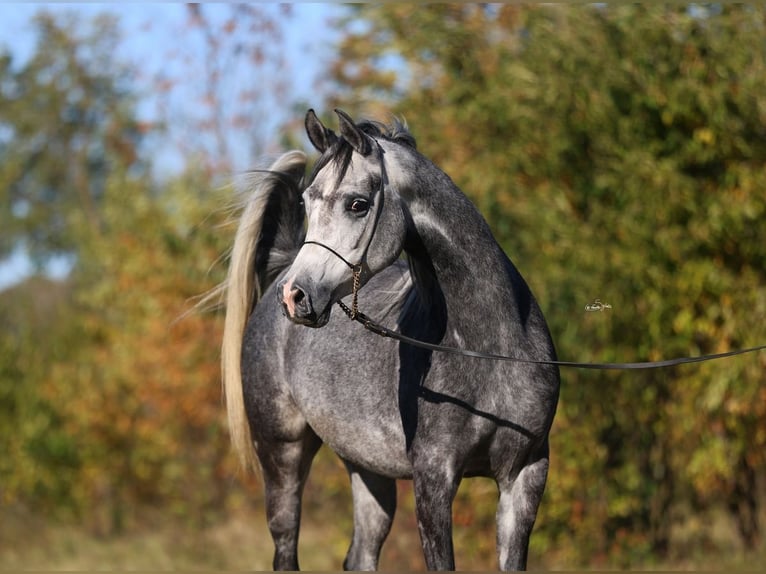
(470, 268)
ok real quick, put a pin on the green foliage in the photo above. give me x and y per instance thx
(31, 434)
(127, 412)
(618, 153)
(142, 397)
(110, 396)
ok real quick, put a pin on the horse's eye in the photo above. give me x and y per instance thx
(358, 206)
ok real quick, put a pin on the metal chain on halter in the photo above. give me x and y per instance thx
(353, 312)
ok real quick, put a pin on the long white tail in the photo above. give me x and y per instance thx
(270, 209)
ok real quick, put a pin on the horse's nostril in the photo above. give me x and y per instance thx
(296, 302)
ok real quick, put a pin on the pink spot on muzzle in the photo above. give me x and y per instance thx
(288, 296)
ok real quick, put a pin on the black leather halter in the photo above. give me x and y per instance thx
(356, 270)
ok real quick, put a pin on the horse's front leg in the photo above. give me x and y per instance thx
(374, 507)
(435, 487)
(286, 466)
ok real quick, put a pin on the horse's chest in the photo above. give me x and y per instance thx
(360, 426)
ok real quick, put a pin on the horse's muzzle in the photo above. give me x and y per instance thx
(297, 305)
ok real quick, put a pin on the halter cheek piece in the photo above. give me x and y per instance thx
(356, 270)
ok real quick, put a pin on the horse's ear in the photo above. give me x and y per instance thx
(320, 136)
(352, 134)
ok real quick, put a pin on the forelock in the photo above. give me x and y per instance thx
(341, 152)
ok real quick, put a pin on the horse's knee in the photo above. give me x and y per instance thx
(528, 488)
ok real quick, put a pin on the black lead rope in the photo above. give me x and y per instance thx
(378, 329)
(354, 314)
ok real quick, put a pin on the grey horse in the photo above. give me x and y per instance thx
(377, 221)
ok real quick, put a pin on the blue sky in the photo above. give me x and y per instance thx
(308, 43)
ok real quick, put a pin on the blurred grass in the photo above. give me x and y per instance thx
(240, 540)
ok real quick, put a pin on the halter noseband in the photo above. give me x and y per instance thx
(356, 270)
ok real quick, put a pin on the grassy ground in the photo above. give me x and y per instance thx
(242, 543)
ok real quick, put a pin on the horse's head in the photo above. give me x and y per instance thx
(356, 222)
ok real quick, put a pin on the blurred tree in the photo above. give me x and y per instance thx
(110, 401)
(216, 95)
(112, 404)
(66, 125)
(617, 151)
(140, 394)
(66, 122)
(38, 456)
